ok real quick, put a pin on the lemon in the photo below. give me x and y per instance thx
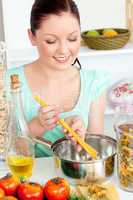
(109, 32)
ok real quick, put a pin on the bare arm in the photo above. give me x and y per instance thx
(96, 116)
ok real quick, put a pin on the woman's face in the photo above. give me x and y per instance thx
(57, 40)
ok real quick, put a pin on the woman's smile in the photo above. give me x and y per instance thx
(62, 59)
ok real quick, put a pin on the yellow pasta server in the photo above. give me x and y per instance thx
(89, 149)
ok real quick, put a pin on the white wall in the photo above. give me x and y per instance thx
(101, 13)
(16, 21)
(94, 13)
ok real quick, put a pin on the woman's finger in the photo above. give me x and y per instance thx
(79, 148)
(48, 115)
(51, 115)
(50, 108)
(46, 109)
(81, 132)
(77, 123)
(51, 121)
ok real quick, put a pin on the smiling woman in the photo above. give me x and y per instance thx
(70, 93)
(60, 46)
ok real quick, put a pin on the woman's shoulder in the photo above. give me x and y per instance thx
(95, 76)
(95, 81)
(94, 73)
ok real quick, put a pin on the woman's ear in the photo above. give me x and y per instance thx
(32, 37)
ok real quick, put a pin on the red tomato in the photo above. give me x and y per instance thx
(57, 189)
(10, 198)
(30, 191)
(2, 193)
(9, 184)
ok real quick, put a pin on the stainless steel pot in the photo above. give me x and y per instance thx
(79, 167)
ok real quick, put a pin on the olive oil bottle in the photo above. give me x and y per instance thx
(20, 150)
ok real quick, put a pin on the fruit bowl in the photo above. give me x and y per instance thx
(106, 39)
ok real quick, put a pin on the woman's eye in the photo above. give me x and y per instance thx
(50, 41)
(73, 39)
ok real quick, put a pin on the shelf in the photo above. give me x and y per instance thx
(85, 51)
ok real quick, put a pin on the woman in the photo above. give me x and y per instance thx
(71, 93)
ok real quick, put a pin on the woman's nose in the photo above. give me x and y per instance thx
(63, 48)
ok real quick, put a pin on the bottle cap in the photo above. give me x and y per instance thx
(15, 83)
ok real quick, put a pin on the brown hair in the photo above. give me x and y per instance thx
(43, 8)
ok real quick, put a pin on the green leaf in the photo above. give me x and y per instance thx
(73, 196)
(22, 179)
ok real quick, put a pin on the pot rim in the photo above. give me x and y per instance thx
(106, 137)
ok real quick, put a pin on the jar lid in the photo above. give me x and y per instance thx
(121, 93)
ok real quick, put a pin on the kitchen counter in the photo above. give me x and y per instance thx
(44, 167)
(44, 170)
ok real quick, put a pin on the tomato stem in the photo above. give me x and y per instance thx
(56, 180)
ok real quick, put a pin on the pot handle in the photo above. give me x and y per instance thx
(41, 140)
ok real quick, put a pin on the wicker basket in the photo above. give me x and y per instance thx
(102, 42)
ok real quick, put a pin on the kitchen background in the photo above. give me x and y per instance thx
(14, 21)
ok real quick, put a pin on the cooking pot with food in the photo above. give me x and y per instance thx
(79, 167)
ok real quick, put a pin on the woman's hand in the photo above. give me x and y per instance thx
(77, 124)
(45, 120)
(48, 117)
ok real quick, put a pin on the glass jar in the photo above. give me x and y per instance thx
(124, 132)
(3, 106)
